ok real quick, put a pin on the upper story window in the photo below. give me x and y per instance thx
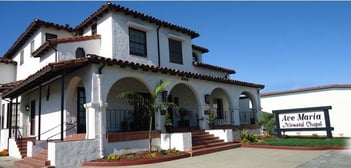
(94, 29)
(175, 51)
(137, 42)
(32, 47)
(195, 58)
(21, 57)
(80, 53)
(49, 36)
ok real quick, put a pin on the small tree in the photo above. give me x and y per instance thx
(148, 104)
(268, 121)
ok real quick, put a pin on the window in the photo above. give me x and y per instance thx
(175, 51)
(21, 57)
(195, 58)
(49, 36)
(32, 47)
(137, 42)
(80, 53)
(94, 29)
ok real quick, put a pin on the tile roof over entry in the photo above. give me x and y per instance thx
(53, 70)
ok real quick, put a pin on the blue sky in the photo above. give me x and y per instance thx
(283, 45)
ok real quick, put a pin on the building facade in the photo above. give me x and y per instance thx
(337, 96)
(65, 81)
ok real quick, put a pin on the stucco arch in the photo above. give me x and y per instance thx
(248, 107)
(120, 115)
(73, 119)
(187, 99)
(220, 103)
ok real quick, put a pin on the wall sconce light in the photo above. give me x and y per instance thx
(27, 107)
(164, 95)
(207, 98)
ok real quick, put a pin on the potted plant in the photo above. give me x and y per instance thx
(168, 122)
(182, 112)
(211, 119)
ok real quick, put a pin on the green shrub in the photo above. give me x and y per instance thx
(153, 154)
(247, 137)
(163, 152)
(113, 156)
(130, 157)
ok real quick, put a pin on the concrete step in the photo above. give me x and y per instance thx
(208, 150)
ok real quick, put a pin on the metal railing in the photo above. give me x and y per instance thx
(71, 126)
(248, 117)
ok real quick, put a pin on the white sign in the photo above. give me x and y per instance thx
(302, 120)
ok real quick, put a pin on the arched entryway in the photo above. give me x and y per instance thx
(122, 115)
(248, 109)
(188, 114)
(219, 104)
(75, 111)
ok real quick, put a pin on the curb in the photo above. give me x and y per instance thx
(296, 147)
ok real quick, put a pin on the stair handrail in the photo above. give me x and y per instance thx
(53, 128)
(67, 129)
(18, 134)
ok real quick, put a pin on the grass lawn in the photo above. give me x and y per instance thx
(311, 142)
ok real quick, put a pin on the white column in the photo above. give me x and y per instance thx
(90, 120)
(203, 123)
(235, 115)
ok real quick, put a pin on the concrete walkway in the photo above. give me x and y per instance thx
(249, 158)
(7, 161)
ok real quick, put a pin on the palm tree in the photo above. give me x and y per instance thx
(149, 104)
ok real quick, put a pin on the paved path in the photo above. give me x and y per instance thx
(249, 158)
(7, 162)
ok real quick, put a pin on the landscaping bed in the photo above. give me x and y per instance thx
(138, 158)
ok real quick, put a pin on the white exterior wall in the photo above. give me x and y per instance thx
(179, 141)
(72, 154)
(130, 146)
(67, 51)
(8, 72)
(339, 99)
(26, 69)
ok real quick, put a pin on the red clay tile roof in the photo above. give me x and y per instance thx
(45, 74)
(27, 34)
(55, 69)
(48, 44)
(6, 86)
(7, 61)
(213, 67)
(333, 86)
(117, 8)
(202, 49)
(165, 70)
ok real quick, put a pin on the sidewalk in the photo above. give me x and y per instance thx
(7, 162)
(249, 158)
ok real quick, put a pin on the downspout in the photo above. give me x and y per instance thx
(158, 46)
(62, 102)
(102, 127)
(39, 113)
(16, 112)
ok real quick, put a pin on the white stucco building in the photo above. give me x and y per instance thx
(337, 96)
(65, 81)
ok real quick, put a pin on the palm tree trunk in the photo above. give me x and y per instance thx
(150, 134)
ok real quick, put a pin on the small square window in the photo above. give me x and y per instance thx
(49, 36)
(21, 57)
(94, 29)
